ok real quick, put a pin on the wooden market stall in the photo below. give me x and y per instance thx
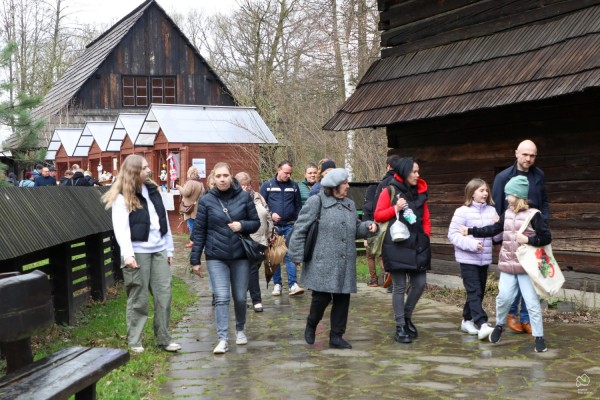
(186, 135)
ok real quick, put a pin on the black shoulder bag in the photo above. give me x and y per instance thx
(311, 235)
(255, 252)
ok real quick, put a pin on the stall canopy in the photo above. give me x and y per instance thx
(53, 147)
(127, 124)
(70, 138)
(101, 132)
(204, 124)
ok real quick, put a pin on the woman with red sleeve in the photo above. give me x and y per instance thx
(409, 259)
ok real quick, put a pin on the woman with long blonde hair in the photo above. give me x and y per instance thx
(141, 227)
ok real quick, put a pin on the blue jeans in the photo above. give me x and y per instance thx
(508, 286)
(290, 266)
(514, 308)
(229, 276)
(190, 224)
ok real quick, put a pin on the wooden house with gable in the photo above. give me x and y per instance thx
(143, 59)
(460, 83)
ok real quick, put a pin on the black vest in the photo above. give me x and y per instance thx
(139, 220)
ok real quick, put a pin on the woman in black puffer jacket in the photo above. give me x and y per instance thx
(217, 234)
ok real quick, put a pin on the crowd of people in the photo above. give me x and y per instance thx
(222, 217)
(46, 176)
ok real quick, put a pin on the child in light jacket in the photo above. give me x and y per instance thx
(474, 255)
(512, 274)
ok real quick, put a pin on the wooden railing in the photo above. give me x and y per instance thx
(79, 271)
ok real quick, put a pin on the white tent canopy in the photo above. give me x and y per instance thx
(204, 124)
(127, 124)
(100, 131)
(69, 137)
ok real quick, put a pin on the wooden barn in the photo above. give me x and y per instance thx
(460, 83)
(143, 59)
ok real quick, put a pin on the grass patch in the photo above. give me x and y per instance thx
(103, 325)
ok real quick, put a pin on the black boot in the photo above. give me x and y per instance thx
(411, 329)
(309, 333)
(402, 335)
(338, 342)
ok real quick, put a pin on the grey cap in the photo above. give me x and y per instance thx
(334, 178)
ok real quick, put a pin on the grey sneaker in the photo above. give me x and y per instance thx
(240, 338)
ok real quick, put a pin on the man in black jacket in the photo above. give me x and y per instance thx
(282, 195)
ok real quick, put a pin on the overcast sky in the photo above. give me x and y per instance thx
(107, 11)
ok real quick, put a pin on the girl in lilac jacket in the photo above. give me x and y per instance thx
(474, 254)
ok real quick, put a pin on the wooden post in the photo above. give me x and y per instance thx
(18, 354)
(95, 255)
(62, 269)
(116, 257)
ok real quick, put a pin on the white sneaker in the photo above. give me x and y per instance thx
(484, 331)
(276, 290)
(136, 349)
(221, 348)
(469, 327)
(295, 289)
(172, 347)
(240, 338)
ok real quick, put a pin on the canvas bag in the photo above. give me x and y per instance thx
(375, 242)
(540, 265)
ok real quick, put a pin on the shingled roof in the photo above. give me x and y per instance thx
(94, 55)
(531, 63)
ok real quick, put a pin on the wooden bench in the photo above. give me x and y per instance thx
(25, 309)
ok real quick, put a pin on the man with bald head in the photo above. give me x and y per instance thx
(526, 154)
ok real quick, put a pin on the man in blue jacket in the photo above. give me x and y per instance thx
(526, 154)
(282, 195)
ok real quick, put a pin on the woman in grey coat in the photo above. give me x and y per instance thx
(331, 273)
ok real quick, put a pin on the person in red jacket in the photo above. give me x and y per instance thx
(410, 259)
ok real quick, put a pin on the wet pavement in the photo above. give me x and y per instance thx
(442, 363)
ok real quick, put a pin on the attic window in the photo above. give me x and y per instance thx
(140, 91)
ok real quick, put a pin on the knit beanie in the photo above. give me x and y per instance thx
(518, 186)
(403, 166)
(327, 164)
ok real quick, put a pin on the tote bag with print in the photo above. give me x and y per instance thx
(541, 266)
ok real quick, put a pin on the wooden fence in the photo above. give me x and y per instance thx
(67, 234)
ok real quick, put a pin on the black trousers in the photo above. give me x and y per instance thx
(474, 279)
(339, 310)
(253, 284)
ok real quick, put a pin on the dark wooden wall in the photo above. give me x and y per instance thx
(419, 24)
(154, 47)
(453, 150)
